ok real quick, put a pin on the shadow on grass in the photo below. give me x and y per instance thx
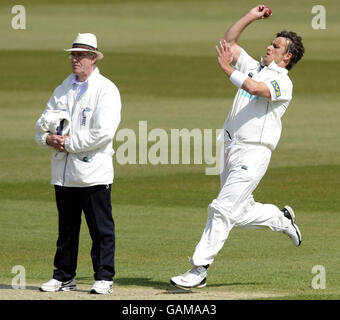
(7, 286)
(147, 282)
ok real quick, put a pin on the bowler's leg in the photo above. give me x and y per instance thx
(246, 167)
(258, 215)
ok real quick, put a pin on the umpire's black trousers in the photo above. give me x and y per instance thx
(95, 201)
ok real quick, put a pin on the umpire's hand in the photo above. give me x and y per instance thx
(56, 141)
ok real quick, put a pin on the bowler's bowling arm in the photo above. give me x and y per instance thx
(233, 33)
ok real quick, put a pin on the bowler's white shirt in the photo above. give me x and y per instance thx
(255, 119)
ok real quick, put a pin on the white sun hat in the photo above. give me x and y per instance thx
(86, 42)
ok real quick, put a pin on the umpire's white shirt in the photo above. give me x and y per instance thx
(94, 118)
(254, 119)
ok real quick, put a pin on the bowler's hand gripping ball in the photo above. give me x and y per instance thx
(268, 13)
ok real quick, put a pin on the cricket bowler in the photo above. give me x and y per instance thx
(251, 133)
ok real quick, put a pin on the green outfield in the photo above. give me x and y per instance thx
(161, 55)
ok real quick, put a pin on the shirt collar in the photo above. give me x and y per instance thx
(74, 80)
(273, 66)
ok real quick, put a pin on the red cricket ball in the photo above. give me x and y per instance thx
(268, 13)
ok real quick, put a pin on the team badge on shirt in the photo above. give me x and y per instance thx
(276, 88)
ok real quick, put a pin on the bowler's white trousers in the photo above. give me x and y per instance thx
(244, 166)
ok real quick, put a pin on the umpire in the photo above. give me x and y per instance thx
(82, 169)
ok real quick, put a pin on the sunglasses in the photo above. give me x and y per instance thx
(80, 55)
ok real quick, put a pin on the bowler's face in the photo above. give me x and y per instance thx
(276, 52)
(82, 63)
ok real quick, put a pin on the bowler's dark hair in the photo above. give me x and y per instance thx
(294, 46)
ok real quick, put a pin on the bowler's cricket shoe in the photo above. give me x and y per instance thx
(293, 231)
(102, 287)
(54, 285)
(196, 277)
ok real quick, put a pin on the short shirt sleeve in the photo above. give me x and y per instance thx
(246, 63)
(280, 88)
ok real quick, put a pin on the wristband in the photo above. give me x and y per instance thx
(237, 78)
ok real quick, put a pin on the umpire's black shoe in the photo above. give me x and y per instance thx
(293, 231)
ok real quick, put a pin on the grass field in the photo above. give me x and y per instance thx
(161, 55)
